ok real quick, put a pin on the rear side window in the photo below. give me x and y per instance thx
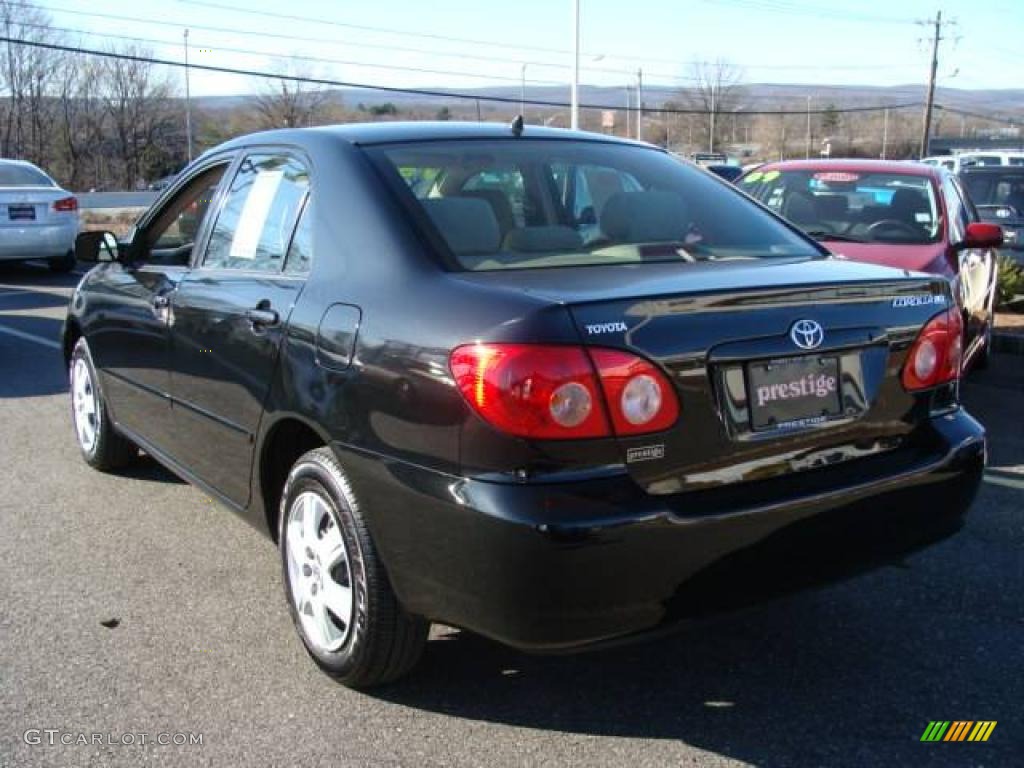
(537, 203)
(23, 176)
(256, 222)
(300, 252)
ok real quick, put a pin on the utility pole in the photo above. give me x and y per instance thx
(639, 104)
(574, 117)
(188, 104)
(926, 133)
(885, 131)
(808, 152)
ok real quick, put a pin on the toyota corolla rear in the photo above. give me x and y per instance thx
(673, 403)
(38, 219)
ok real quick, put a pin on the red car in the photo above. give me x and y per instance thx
(908, 215)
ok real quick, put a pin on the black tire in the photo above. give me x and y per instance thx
(109, 450)
(62, 264)
(383, 642)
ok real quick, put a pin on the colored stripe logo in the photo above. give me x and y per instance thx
(958, 730)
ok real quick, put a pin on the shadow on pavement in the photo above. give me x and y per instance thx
(147, 468)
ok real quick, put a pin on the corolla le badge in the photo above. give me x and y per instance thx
(807, 334)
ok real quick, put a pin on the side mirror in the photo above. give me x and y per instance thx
(587, 216)
(982, 234)
(94, 247)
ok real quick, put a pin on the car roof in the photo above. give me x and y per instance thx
(11, 161)
(399, 132)
(975, 169)
(910, 168)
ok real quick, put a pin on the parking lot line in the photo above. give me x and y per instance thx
(1002, 478)
(30, 337)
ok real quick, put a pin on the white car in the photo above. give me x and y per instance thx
(38, 219)
(957, 163)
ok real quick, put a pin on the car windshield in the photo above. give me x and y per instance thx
(997, 188)
(851, 205)
(532, 203)
(12, 175)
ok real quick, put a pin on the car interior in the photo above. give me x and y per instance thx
(868, 208)
(548, 211)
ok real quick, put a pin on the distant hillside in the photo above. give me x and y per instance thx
(765, 96)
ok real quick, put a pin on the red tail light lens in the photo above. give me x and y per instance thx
(66, 204)
(531, 390)
(558, 392)
(936, 356)
(640, 398)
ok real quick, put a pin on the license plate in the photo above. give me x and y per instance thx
(793, 392)
(21, 212)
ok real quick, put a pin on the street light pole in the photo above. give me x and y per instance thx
(575, 99)
(639, 104)
(188, 104)
(711, 127)
(808, 151)
(522, 91)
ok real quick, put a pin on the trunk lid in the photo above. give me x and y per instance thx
(22, 207)
(724, 334)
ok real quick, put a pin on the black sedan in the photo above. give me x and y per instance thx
(400, 351)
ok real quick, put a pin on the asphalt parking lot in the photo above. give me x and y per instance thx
(847, 675)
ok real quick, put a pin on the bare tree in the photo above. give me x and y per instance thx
(80, 121)
(716, 90)
(138, 106)
(26, 75)
(291, 103)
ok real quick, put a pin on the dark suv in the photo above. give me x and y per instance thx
(454, 392)
(998, 193)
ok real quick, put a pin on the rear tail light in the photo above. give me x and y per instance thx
(561, 392)
(936, 356)
(640, 398)
(66, 204)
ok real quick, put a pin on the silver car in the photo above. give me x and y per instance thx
(38, 219)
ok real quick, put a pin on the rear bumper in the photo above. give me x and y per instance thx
(37, 242)
(555, 566)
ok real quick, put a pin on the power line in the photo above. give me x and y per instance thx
(297, 57)
(413, 91)
(443, 54)
(779, 6)
(334, 41)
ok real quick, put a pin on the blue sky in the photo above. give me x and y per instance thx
(806, 41)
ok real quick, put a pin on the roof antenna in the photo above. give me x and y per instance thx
(517, 126)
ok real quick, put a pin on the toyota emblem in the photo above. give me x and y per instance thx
(807, 334)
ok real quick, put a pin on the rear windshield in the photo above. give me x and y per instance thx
(532, 203)
(996, 188)
(851, 206)
(22, 176)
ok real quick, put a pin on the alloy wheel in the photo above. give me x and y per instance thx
(319, 573)
(85, 405)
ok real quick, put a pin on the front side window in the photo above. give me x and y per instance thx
(534, 203)
(171, 235)
(256, 221)
(850, 205)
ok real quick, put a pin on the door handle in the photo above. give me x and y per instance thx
(262, 317)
